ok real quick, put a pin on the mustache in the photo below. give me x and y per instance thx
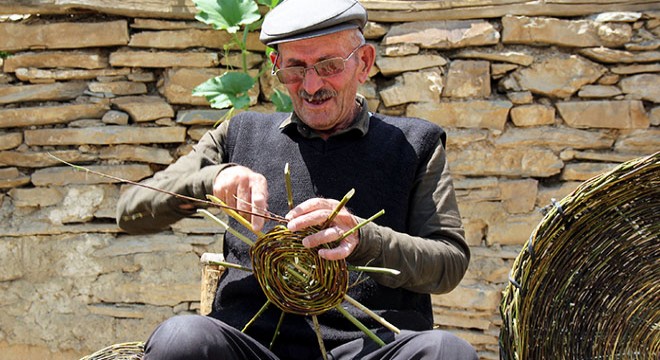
(320, 95)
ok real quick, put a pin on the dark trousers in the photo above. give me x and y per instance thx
(202, 337)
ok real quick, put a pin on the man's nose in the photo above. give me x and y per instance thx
(311, 81)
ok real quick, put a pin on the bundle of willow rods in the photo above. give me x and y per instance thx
(587, 283)
(294, 277)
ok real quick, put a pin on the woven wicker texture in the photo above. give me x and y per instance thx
(294, 277)
(587, 283)
(123, 351)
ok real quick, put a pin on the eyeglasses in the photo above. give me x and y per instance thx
(325, 68)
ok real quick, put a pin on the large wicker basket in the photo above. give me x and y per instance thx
(587, 283)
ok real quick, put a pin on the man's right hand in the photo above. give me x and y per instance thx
(243, 189)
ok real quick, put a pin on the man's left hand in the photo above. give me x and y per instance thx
(315, 212)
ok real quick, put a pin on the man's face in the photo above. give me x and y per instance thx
(326, 104)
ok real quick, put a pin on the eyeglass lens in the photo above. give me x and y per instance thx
(323, 68)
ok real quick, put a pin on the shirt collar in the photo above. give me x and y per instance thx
(360, 123)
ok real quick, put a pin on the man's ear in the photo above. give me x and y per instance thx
(367, 59)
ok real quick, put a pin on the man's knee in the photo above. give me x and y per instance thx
(438, 344)
(185, 337)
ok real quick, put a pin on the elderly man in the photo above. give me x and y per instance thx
(332, 143)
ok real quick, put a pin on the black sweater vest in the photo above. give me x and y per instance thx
(380, 166)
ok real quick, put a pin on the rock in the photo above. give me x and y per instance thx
(179, 84)
(401, 50)
(470, 297)
(47, 115)
(191, 38)
(555, 138)
(599, 91)
(611, 56)
(533, 115)
(395, 65)
(50, 76)
(107, 135)
(499, 70)
(144, 108)
(558, 77)
(450, 34)
(78, 206)
(137, 153)
(235, 60)
(375, 30)
(410, 87)
(468, 114)
(635, 69)
(10, 140)
(627, 114)
(36, 197)
(200, 117)
(65, 35)
(642, 142)
(115, 117)
(56, 91)
(118, 87)
(156, 24)
(513, 57)
(512, 199)
(56, 59)
(33, 159)
(609, 79)
(654, 115)
(11, 178)
(65, 175)
(520, 97)
(585, 171)
(480, 160)
(642, 86)
(571, 33)
(618, 16)
(163, 59)
(468, 79)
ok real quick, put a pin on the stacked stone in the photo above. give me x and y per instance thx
(532, 105)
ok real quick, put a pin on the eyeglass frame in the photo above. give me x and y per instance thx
(274, 70)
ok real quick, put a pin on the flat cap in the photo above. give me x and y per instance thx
(303, 19)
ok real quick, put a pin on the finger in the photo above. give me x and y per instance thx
(259, 205)
(311, 205)
(341, 251)
(243, 197)
(323, 237)
(316, 217)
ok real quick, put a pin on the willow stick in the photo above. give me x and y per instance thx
(256, 316)
(233, 213)
(359, 325)
(373, 315)
(338, 208)
(226, 226)
(319, 337)
(374, 269)
(277, 330)
(179, 196)
(358, 226)
(289, 188)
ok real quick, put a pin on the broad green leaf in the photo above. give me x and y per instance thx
(270, 3)
(282, 101)
(227, 90)
(227, 15)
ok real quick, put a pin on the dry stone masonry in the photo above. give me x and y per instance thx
(535, 99)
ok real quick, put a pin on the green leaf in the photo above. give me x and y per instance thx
(270, 3)
(227, 15)
(282, 101)
(226, 90)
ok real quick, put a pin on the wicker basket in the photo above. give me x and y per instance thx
(587, 283)
(123, 351)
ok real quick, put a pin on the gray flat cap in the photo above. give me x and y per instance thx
(303, 19)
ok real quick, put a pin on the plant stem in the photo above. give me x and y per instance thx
(360, 326)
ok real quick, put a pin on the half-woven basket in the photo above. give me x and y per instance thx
(123, 351)
(587, 283)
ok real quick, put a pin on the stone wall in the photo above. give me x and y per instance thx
(533, 105)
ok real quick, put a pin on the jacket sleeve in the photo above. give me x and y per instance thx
(433, 256)
(142, 210)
